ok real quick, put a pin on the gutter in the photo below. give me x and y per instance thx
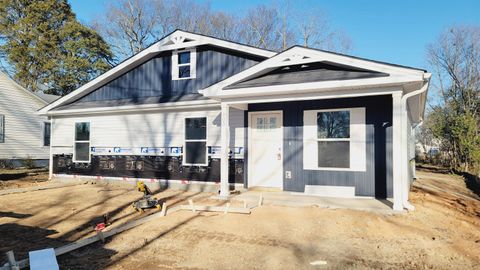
(404, 127)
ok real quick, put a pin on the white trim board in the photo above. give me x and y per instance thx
(146, 180)
(185, 105)
(330, 191)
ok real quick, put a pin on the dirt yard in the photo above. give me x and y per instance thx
(442, 233)
(19, 178)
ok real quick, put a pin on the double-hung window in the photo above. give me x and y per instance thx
(195, 147)
(46, 133)
(81, 151)
(2, 128)
(184, 64)
(335, 140)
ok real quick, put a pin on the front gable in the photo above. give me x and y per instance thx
(153, 82)
(305, 69)
(147, 77)
(307, 73)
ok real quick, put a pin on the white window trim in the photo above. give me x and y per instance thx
(75, 142)
(184, 150)
(192, 64)
(2, 127)
(43, 133)
(357, 140)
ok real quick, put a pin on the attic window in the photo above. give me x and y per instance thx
(184, 64)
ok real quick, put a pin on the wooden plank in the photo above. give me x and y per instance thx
(126, 226)
(11, 261)
(107, 233)
(208, 208)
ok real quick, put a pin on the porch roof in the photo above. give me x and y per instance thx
(301, 73)
(308, 72)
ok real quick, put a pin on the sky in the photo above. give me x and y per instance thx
(384, 30)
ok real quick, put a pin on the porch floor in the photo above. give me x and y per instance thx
(285, 198)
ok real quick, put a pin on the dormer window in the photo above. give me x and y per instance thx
(184, 64)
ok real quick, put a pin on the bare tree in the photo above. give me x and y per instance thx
(314, 31)
(129, 26)
(259, 27)
(225, 26)
(455, 59)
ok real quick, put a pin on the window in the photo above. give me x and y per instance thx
(2, 128)
(184, 64)
(334, 139)
(333, 135)
(82, 142)
(46, 134)
(195, 141)
(266, 123)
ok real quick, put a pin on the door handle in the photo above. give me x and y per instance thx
(279, 156)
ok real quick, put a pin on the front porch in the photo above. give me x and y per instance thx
(293, 199)
(375, 103)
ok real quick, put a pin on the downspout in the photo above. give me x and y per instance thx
(404, 138)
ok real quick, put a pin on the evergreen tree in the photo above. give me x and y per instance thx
(45, 45)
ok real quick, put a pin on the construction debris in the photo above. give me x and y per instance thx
(103, 234)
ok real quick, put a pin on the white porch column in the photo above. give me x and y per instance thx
(397, 151)
(225, 143)
(405, 158)
(50, 152)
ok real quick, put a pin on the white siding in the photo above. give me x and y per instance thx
(146, 129)
(23, 128)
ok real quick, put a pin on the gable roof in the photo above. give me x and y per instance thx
(304, 73)
(178, 39)
(46, 97)
(302, 68)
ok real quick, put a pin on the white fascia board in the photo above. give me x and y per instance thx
(315, 87)
(139, 108)
(300, 55)
(357, 62)
(313, 95)
(227, 44)
(160, 46)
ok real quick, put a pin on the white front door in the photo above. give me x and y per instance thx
(265, 154)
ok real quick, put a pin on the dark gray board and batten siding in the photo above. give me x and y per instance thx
(151, 81)
(375, 181)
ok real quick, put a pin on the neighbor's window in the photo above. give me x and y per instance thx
(183, 64)
(333, 139)
(195, 141)
(46, 134)
(82, 142)
(2, 128)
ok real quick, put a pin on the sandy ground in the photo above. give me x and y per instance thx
(442, 233)
(10, 179)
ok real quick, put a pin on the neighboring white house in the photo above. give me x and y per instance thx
(24, 135)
